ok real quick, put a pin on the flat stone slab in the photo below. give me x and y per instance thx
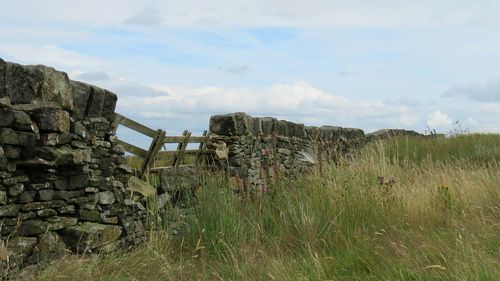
(91, 235)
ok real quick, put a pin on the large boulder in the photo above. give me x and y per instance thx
(49, 247)
(38, 84)
(234, 124)
(51, 119)
(91, 235)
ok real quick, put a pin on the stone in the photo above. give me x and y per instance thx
(25, 216)
(81, 96)
(19, 248)
(124, 168)
(78, 144)
(109, 105)
(49, 247)
(53, 139)
(255, 126)
(12, 152)
(91, 235)
(6, 117)
(46, 194)
(87, 200)
(51, 119)
(110, 220)
(67, 210)
(312, 132)
(106, 197)
(353, 133)
(64, 155)
(3, 163)
(3, 197)
(34, 206)
(90, 215)
(37, 226)
(37, 84)
(91, 190)
(40, 186)
(4, 175)
(78, 181)
(11, 167)
(67, 195)
(268, 125)
(27, 197)
(284, 151)
(32, 227)
(95, 102)
(129, 202)
(46, 213)
(9, 136)
(22, 121)
(37, 162)
(58, 223)
(21, 83)
(235, 124)
(9, 210)
(15, 180)
(61, 184)
(16, 189)
(330, 132)
(163, 199)
(117, 184)
(79, 129)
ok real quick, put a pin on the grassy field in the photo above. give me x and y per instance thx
(405, 209)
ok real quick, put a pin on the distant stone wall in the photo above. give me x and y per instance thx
(259, 149)
(62, 174)
(391, 133)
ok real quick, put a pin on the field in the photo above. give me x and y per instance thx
(404, 209)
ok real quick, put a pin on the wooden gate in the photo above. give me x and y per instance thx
(173, 158)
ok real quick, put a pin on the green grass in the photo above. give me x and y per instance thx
(402, 210)
(477, 148)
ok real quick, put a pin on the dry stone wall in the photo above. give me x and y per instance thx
(62, 174)
(64, 180)
(259, 149)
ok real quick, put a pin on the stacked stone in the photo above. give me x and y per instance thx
(389, 133)
(62, 172)
(261, 148)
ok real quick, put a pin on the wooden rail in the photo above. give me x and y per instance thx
(159, 139)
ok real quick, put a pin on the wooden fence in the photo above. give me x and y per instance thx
(159, 140)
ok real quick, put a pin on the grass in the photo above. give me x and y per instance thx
(406, 209)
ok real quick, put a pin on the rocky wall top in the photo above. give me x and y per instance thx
(29, 87)
(241, 124)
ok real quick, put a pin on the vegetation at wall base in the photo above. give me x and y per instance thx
(404, 209)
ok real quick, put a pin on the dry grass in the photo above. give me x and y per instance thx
(385, 216)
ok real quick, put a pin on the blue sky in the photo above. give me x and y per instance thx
(367, 64)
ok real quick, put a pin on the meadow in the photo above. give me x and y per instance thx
(403, 209)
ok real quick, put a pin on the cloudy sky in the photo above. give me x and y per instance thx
(367, 64)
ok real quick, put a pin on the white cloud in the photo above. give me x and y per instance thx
(291, 13)
(49, 54)
(298, 102)
(145, 17)
(488, 92)
(98, 75)
(438, 119)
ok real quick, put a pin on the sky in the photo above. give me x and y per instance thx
(415, 64)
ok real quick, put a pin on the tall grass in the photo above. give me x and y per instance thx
(402, 210)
